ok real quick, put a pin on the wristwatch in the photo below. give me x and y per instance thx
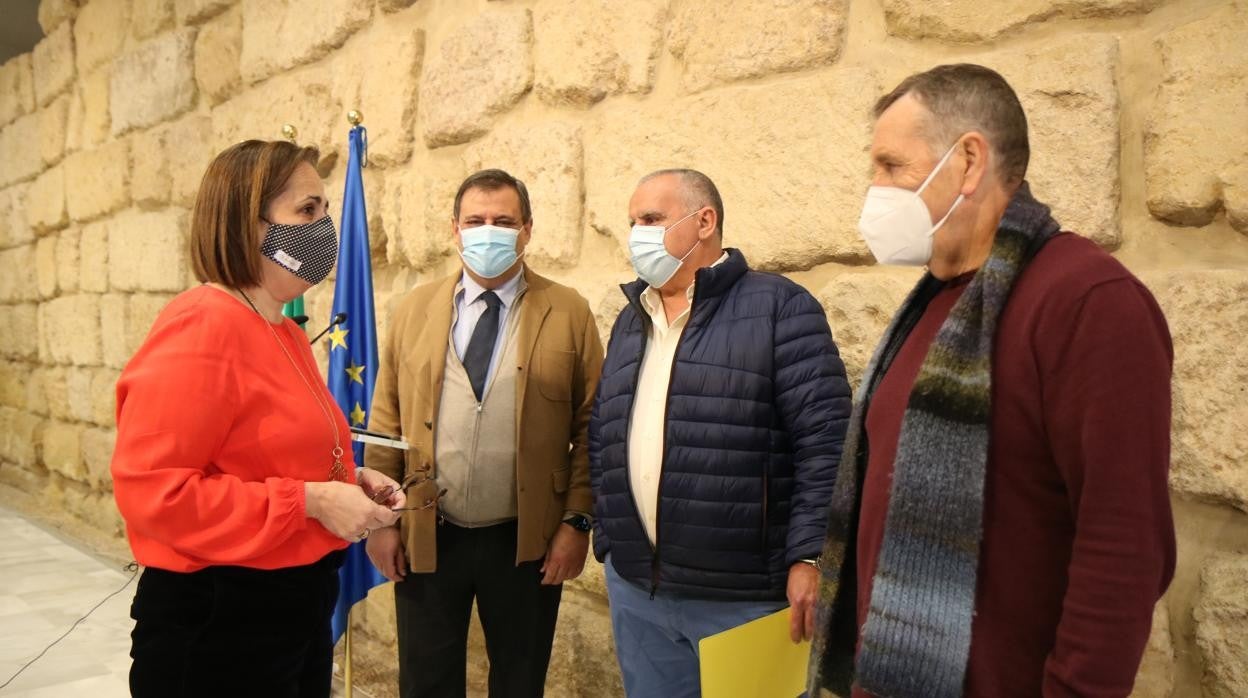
(579, 522)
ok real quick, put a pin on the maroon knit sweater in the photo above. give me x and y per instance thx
(1078, 538)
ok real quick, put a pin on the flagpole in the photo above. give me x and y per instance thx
(346, 673)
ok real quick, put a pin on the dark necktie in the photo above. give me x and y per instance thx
(481, 346)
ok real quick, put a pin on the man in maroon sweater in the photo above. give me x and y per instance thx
(1077, 539)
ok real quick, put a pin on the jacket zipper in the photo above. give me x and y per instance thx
(656, 560)
(628, 423)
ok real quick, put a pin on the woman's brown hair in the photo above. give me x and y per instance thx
(235, 193)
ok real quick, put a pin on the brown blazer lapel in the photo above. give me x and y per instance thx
(533, 313)
(432, 345)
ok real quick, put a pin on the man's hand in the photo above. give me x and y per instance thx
(566, 556)
(803, 591)
(386, 551)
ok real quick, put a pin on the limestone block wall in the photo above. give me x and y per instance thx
(1139, 123)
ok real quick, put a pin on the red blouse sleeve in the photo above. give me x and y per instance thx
(176, 403)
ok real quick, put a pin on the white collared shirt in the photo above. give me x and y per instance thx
(468, 310)
(647, 427)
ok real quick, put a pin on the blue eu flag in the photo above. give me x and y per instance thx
(353, 358)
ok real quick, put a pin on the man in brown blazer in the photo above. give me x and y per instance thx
(489, 375)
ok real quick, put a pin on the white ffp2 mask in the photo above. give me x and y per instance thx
(897, 224)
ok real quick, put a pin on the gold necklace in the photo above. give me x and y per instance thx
(338, 471)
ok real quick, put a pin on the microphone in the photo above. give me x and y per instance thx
(338, 320)
(300, 320)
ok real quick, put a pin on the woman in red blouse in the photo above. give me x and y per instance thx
(233, 464)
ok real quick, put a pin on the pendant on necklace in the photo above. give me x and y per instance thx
(338, 471)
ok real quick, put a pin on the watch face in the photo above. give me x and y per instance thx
(580, 523)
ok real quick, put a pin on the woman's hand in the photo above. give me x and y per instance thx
(345, 510)
(381, 488)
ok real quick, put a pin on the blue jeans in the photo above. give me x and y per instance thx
(656, 640)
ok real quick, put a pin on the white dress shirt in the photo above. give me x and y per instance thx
(469, 307)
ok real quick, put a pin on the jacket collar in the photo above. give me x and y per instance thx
(711, 281)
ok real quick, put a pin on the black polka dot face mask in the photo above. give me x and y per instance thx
(307, 250)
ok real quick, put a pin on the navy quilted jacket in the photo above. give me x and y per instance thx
(756, 414)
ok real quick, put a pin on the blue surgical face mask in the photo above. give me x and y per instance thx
(650, 256)
(489, 250)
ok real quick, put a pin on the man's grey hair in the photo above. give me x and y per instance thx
(965, 97)
(697, 190)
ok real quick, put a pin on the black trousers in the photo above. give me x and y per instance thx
(517, 613)
(234, 631)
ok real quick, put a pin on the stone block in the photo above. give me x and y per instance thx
(68, 267)
(149, 168)
(93, 258)
(1072, 109)
(1221, 615)
(14, 377)
(734, 40)
(554, 180)
(417, 207)
(70, 327)
(55, 383)
(45, 266)
(302, 41)
(382, 84)
(1207, 312)
(22, 437)
(217, 51)
(479, 71)
(198, 11)
(96, 114)
(20, 323)
(305, 99)
(17, 88)
(395, 5)
(188, 149)
(53, 12)
(744, 136)
(973, 21)
(62, 450)
(150, 17)
(588, 49)
(103, 396)
(45, 203)
(78, 392)
(53, 64)
(19, 282)
(1155, 678)
(19, 150)
(53, 126)
(1195, 143)
(154, 82)
(147, 251)
(99, 180)
(14, 229)
(100, 32)
(860, 305)
(141, 315)
(97, 455)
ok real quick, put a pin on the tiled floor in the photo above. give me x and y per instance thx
(45, 585)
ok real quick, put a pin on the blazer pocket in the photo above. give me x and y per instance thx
(554, 374)
(559, 479)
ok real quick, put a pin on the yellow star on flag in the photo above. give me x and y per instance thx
(357, 416)
(338, 338)
(355, 373)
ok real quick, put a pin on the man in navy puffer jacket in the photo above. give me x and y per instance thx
(714, 440)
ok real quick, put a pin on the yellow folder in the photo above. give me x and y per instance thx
(755, 660)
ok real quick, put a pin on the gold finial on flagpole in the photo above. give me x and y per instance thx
(355, 117)
(289, 132)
